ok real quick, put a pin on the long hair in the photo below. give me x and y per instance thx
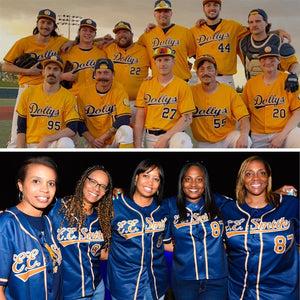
(53, 32)
(210, 206)
(40, 160)
(142, 167)
(73, 206)
(240, 190)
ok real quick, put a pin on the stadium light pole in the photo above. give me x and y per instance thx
(69, 21)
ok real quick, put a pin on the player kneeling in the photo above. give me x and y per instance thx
(47, 113)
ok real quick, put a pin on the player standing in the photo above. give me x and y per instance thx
(137, 267)
(83, 57)
(104, 110)
(82, 228)
(262, 234)
(44, 43)
(164, 106)
(47, 113)
(257, 39)
(274, 112)
(30, 260)
(218, 108)
(167, 34)
(199, 266)
(131, 62)
(220, 38)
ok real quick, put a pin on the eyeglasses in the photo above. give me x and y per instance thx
(94, 183)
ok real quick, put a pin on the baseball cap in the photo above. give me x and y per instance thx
(47, 13)
(258, 11)
(162, 4)
(205, 1)
(104, 63)
(54, 59)
(88, 23)
(163, 51)
(268, 50)
(205, 57)
(122, 25)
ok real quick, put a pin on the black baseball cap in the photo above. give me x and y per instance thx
(104, 63)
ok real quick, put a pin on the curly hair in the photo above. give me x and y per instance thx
(73, 206)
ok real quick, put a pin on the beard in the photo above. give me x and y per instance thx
(125, 44)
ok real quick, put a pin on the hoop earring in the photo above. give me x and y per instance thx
(20, 196)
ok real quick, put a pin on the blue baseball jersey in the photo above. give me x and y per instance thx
(80, 252)
(262, 252)
(136, 257)
(30, 260)
(199, 251)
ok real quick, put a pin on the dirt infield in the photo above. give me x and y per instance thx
(6, 112)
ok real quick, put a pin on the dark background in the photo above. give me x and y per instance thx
(222, 167)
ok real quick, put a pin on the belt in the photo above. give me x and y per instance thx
(155, 131)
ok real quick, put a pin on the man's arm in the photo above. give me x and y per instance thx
(13, 69)
(278, 139)
(21, 140)
(139, 127)
(181, 125)
(66, 132)
(242, 142)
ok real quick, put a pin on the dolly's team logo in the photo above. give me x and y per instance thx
(217, 37)
(48, 111)
(169, 42)
(273, 100)
(211, 111)
(91, 111)
(162, 100)
(124, 60)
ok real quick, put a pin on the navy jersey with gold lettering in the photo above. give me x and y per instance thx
(262, 250)
(27, 268)
(199, 251)
(136, 257)
(80, 252)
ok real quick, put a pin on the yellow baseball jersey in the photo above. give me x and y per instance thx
(164, 105)
(221, 44)
(100, 111)
(41, 52)
(180, 39)
(131, 66)
(83, 65)
(46, 114)
(216, 114)
(270, 106)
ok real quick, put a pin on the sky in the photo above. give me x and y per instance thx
(17, 18)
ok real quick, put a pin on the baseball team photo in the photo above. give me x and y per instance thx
(149, 225)
(150, 74)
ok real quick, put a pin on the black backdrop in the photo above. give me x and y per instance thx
(222, 167)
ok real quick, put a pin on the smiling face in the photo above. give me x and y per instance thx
(38, 189)
(147, 183)
(94, 188)
(87, 34)
(256, 179)
(212, 10)
(45, 27)
(193, 184)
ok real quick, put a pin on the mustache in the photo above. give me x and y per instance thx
(103, 80)
(206, 76)
(51, 76)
